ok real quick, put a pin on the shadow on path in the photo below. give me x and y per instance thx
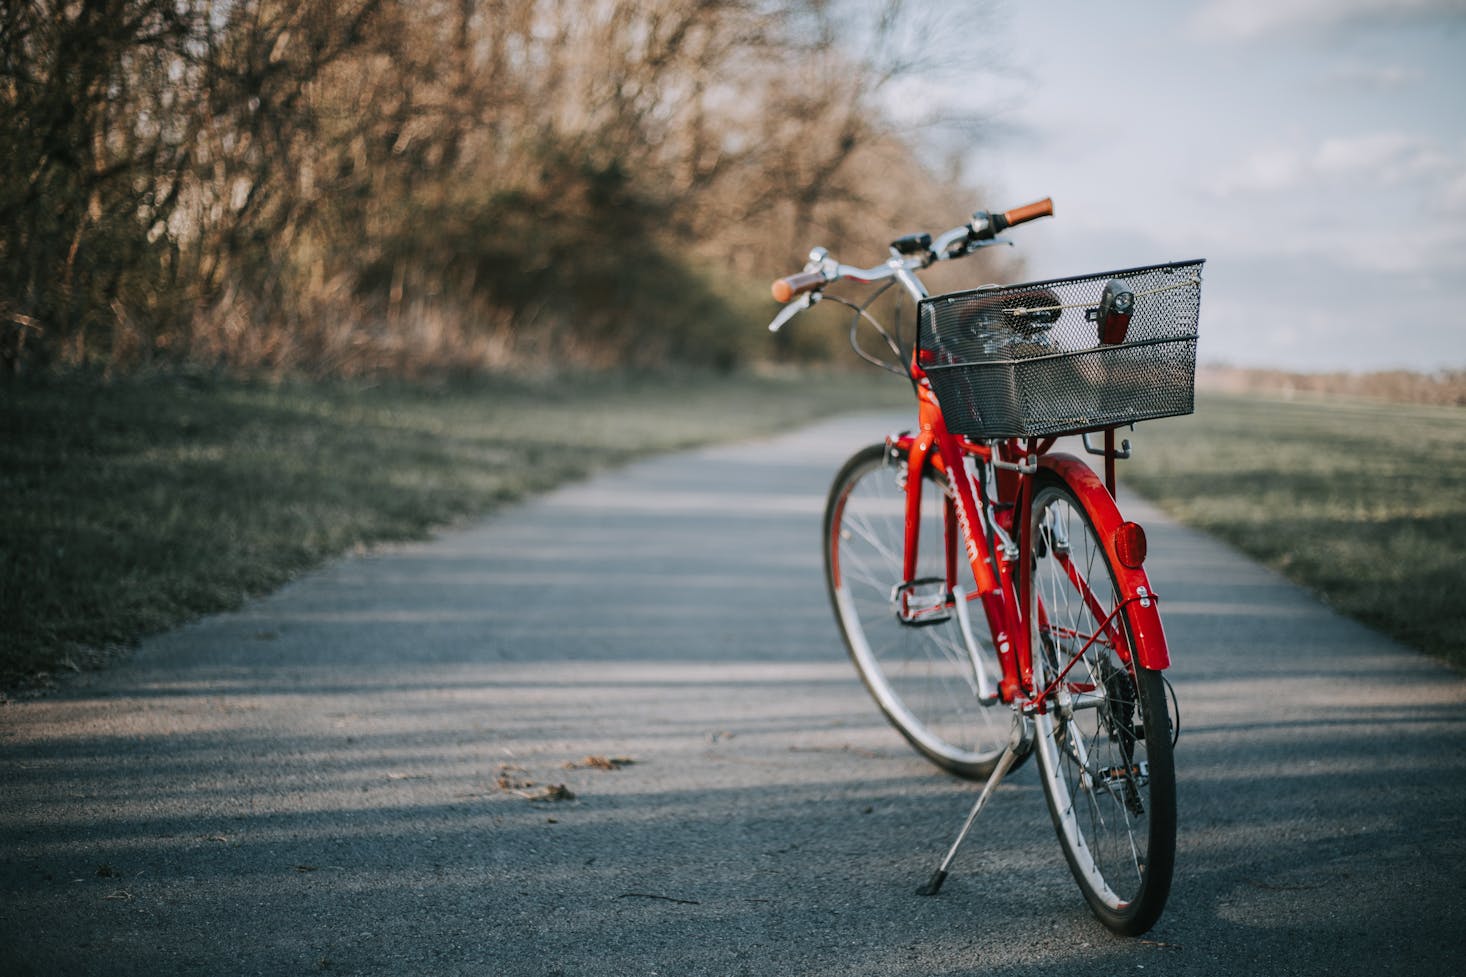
(339, 778)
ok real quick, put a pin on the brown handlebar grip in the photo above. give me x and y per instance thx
(1028, 212)
(786, 288)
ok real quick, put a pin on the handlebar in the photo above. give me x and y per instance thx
(910, 253)
(806, 281)
(1024, 214)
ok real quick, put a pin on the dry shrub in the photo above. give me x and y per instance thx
(354, 186)
(1444, 387)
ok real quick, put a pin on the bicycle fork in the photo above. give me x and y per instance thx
(1020, 741)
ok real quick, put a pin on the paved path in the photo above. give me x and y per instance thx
(338, 779)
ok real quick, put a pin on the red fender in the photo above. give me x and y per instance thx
(1135, 588)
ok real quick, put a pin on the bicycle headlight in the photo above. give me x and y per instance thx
(1117, 305)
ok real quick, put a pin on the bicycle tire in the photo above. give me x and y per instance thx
(1104, 740)
(920, 675)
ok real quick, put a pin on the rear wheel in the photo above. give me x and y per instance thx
(1104, 739)
(905, 635)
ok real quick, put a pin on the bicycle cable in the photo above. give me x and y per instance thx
(860, 312)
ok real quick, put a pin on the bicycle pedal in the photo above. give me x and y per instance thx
(1118, 775)
(1123, 783)
(922, 608)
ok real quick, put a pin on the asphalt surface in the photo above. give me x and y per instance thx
(357, 775)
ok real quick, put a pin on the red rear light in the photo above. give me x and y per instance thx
(1130, 545)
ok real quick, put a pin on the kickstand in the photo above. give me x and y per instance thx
(1019, 742)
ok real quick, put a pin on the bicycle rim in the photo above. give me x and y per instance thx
(919, 671)
(1104, 739)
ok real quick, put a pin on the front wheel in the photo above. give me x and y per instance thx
(1104, 738)
(904, 635)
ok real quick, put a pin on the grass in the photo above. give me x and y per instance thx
(133, 506)
(1364, 503)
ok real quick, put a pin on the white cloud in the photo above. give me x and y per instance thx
(1453, 199)
(1265, 170)
(1358, 236)
(1385, 157)
(1312, 150)
(1373, 160)
(1251, 19)
(1377, 77)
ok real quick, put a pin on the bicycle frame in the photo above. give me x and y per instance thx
(1013, 466)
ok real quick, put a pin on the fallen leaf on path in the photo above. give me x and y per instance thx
(601, 763)
(550, 792)
(504, 781)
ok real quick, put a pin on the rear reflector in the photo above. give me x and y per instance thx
(1130, 545)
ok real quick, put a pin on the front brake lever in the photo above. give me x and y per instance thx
(991, 242)
(794, 308)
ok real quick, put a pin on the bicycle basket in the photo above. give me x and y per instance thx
(1066, 355)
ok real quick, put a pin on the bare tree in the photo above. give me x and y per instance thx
(362, 184)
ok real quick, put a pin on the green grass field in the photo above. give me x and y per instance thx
(133, 506)
(1364, 503)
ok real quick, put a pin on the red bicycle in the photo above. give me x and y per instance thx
(973, 518)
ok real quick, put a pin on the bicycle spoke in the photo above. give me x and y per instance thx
(902, 630)
(1101, 743)
(861, 526)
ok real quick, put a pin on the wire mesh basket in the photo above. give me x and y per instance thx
(1066, 355)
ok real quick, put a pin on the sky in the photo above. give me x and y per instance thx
(1313, 151)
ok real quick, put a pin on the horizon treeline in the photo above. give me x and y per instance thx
(343, 187)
